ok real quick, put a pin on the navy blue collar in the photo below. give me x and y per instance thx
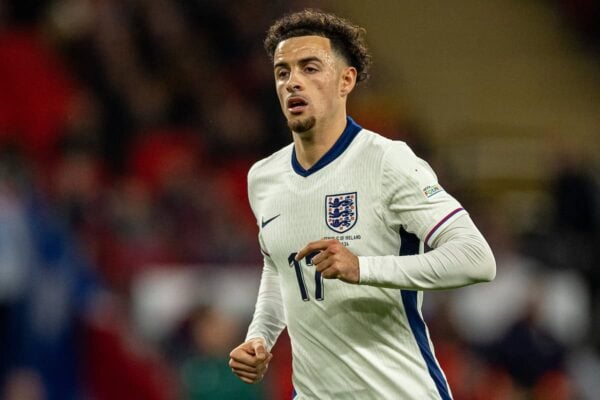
(350, 132)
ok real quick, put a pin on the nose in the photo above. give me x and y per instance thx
(293, 84)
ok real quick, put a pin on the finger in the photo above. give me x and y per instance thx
(260, 350)
(323, 265)
(244, 374)
(262, 366)
(242, 367)
(319, 257)
(242, 356)
(312, 247)
(330, 273)
(247, 380)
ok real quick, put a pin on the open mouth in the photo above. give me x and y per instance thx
(296, 104)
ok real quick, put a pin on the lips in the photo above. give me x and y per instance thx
(296, 104)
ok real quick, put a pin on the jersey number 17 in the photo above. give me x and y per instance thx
(319, 290)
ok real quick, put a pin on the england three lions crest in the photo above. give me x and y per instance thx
(341, 212)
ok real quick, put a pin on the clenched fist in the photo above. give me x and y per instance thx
(250, 360)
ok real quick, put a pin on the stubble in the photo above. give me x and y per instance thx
(302, 125)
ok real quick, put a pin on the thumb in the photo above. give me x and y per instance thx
(259, 350)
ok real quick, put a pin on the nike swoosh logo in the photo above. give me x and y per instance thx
(265, 223)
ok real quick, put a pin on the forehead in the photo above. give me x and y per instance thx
(297, 48)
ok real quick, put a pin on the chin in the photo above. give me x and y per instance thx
(302, 124)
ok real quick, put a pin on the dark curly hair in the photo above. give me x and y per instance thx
(346, 38)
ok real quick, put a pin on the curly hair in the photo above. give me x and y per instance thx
(346, 38)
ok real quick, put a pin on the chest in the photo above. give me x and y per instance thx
(342, 209)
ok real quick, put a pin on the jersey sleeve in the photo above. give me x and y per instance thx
(269, 318)
(412, 197)
(414, 201)
(461, 257)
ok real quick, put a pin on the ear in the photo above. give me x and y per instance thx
(347, 80)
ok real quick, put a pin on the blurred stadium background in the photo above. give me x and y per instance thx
(128, 255)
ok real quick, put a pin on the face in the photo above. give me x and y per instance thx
(312, 82)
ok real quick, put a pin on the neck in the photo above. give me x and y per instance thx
(312, 145)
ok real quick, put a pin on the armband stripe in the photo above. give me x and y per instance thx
(435, 228)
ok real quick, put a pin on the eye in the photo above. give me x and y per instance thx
(310, 69)
(282, 73)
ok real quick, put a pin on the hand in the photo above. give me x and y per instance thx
(250, 360)
(333, 260)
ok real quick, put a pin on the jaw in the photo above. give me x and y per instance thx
(301, 124)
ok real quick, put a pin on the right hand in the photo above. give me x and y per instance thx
(250, 360)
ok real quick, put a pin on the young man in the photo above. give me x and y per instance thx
(344, 215)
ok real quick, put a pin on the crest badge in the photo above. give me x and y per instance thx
(341, 212)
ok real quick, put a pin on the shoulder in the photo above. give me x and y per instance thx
(394, 154)
(272, 165)
(382, 145)
(399, 166)
(265, 174)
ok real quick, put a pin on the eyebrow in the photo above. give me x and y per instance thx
(302, 61)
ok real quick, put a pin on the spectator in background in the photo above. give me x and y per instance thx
(23, 384)
(204, 370)
(575, 232)
(16, 257)
(52, 287)
(117, 363)
(532, 312)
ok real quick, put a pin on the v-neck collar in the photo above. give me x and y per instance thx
(350, 132)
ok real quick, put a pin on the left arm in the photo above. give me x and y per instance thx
(461, 257)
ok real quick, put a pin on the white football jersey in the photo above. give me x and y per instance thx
(349, 341)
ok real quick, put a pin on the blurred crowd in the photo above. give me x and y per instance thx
(126, 132)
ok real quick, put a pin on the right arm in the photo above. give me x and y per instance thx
(269, 319)
(250, 360)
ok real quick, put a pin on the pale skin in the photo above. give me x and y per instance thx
(312, 83)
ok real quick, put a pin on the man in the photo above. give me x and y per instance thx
(344, 216)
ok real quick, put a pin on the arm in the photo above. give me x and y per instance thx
(250, 360)
(268, 320)
(461, 257)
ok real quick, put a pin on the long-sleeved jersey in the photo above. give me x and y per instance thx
(367, 340)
